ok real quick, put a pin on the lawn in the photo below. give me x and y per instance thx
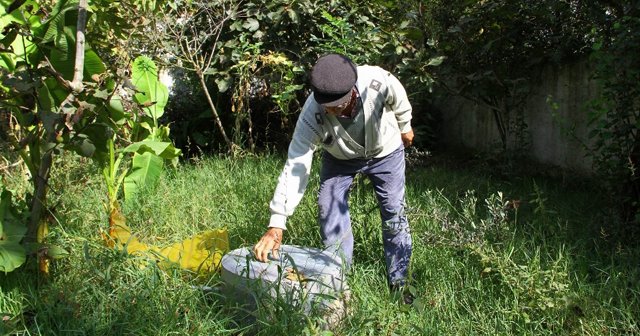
(496, 251)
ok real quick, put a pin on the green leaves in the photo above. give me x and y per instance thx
(12, 230)
(164, 150)
(58, 32)
(15, 48)
(145, 172)
(251, 24)
(148, 163)
(436, 61)
(12, 255)
(149, 155)
(153, 95)
(615, 117)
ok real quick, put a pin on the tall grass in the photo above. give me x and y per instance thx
(514, 255)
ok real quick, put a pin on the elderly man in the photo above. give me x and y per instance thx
(361, 117)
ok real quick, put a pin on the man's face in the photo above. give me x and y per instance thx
(338, 110)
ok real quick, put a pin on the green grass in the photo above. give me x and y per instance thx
(556, 264)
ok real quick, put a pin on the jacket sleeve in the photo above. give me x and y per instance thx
(398, 102)
(294, 177)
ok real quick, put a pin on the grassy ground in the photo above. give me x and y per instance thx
(510, 254)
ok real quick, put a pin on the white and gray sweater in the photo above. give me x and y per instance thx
(387, 114)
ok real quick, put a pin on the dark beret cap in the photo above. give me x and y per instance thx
(332, 78)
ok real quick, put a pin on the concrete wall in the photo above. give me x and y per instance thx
(556, 115)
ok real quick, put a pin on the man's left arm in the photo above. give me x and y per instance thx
(398, 102)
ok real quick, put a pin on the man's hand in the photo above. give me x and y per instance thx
(270, 242)
(407, 138)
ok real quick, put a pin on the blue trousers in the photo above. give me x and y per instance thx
(387, 175)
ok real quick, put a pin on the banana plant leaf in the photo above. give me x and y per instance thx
(152, 94)
(163, 149)
(145, 173)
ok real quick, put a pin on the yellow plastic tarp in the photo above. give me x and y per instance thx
(201, 254)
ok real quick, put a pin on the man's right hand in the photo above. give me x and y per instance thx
(270, 242)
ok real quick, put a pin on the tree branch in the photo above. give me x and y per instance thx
(78, 74)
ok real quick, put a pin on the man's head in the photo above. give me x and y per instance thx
(332, 79)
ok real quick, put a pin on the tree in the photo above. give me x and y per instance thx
(44, 91)
(493, 49)
(192, 34)
(58, 94)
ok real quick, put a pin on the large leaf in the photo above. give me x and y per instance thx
(163, 149)
(12, 255)
(145, 173)
(63, 56)
(55, 30)
(56, 19)
(46, 101)
(14, 230)
(11, 228)
(83, 145)
(93, 64)
(7, 61)
(251, 24)
(92, 142)
(117, 109)
(153, 94)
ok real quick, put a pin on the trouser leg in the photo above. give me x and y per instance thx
(388, 178)
(333, 207)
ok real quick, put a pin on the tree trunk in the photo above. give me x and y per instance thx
(216, 117)
(39, 196)
(41, 179)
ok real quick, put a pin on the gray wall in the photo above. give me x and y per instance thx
(556, 115)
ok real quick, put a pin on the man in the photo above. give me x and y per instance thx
(361, 117)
